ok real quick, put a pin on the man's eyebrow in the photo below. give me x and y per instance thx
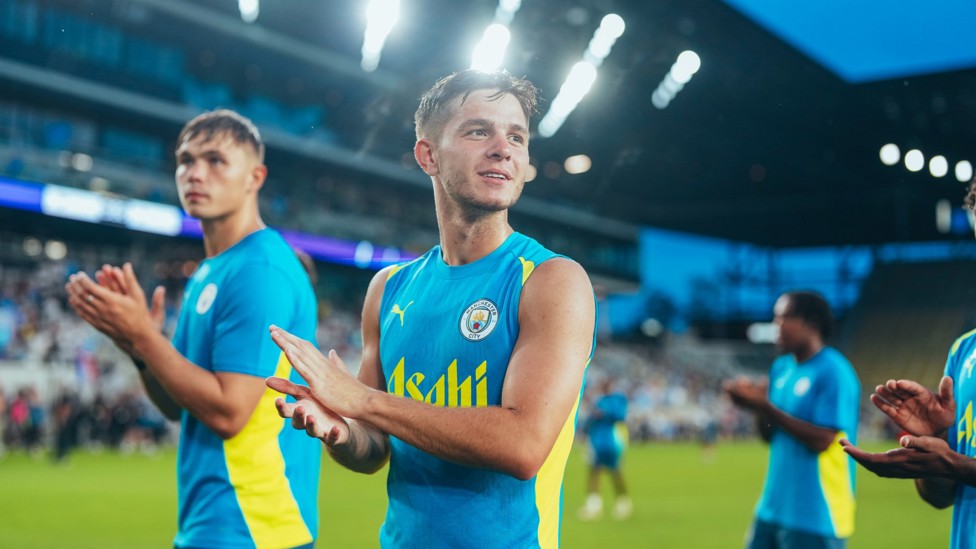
(483, 122)
(208, 151)
(475, 122)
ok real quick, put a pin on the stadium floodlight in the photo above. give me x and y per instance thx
(938, 166)
(890, 154)
(681, 71)
(381, 17)
(505, 11)
(914, 160)
(582, 75)
(575, 87)
(964, 171)
(685, 67)
(249, 10)
(490, 51)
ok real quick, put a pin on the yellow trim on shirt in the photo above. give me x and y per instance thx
(835, 481)
(549, 482)
(256, 469)
(955, 346)
(527, 268)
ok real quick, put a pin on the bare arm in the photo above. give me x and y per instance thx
(222, 401)
(541, 387)
(765, 427)
(158, 395)
(814, 437)
(753, 396)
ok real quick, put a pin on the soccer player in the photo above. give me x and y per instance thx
(245, 479)
(810, 402)
(940, 448)
(473, 354)
(606, 434)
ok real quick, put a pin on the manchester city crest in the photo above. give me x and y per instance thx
(479, 319)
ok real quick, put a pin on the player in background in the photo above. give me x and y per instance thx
(244, 477)
(606, 437)
(809, 403)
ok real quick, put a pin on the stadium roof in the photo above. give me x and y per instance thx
(774, 141)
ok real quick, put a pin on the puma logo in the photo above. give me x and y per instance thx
(398, 311)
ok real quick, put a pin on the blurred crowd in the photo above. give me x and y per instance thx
(64, 385)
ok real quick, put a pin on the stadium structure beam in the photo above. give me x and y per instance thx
(274, 41)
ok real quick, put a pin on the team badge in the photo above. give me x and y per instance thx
(479, 319)
(206, 299)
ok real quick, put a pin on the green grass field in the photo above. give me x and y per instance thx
(112, 501)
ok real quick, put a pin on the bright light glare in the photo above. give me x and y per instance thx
(82, 162)
(55, 249)
(583, 75)
(363, 255)
(505, 11)
(890, 154)
(577, 85)
(577, 164)
(964, 171)
(249, 10)
(381, 17)
(613, 25)
(685, 67)
(938, 166)
(490, 52)
(605, 36)
(914, 160)
(33, 246)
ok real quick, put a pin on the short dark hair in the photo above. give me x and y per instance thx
(223, 122)
(813, 309)
(429, 117)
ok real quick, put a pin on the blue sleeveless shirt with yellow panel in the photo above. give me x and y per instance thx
(606, 430)
(260, 487)
(446, 337)
(962, 436)
(808, 491)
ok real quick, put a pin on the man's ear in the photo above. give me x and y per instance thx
(423, 152)
(259, 174)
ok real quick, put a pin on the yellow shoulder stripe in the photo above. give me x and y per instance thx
(527, 268)
(955, 346)
(395, 270)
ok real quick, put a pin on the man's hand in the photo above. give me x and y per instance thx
(307, 414)
(747, 393)
(918, 457)
(329, 382)
(916, 409)
(116, 305)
